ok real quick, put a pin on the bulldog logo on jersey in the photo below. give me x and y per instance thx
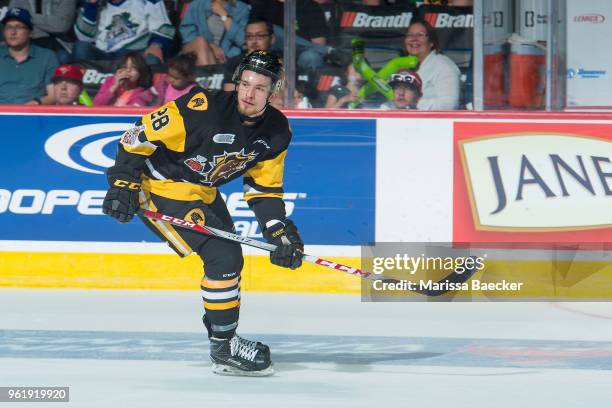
(198, 102)
(221, 166)
(227, 164)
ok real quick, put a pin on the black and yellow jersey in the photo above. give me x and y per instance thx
(188, 147)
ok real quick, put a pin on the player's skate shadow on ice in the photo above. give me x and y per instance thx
(347, 362)
(346, 353)
(353, 359)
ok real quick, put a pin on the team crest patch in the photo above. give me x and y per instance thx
(198, 102)
(196, 216)
(130, 136)
(223, 166)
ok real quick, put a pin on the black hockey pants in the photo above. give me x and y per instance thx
(222, 259)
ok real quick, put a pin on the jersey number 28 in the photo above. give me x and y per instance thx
(159, 119)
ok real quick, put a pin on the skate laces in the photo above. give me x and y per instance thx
(243, 348)
(248, 343)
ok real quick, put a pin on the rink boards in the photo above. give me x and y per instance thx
(351, 179)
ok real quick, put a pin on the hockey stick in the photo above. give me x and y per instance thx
(214, 232)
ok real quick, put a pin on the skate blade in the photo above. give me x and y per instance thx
(222, 369)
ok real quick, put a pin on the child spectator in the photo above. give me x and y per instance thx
(406, 85)
(130, 84)
(214, 29)
(67, 84)
(179, 80)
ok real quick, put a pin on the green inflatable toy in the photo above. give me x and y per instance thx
(377, 81)
(85, 99)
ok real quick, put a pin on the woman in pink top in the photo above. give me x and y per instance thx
(179, 80)
(130, 84)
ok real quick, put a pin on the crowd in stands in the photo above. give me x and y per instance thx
(349, 53)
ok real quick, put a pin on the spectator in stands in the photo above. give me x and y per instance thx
(259, 35)
(300, 100)
(52, 22)
(130, 84)
(406, 85)
(119, 26)
(67, 84)
(340, 96)
(179, 80)
(214, 29)
(25, 69)
(311, 33)
(440, 75)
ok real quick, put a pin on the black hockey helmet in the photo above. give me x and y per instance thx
(263, 63)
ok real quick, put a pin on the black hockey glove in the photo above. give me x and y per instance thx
(289, 245)
(121, 201)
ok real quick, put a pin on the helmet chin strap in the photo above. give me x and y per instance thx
(250, 120)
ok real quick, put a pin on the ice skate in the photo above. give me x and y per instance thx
(240, 357)
(263, 348)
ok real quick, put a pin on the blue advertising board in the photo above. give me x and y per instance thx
(52, 180)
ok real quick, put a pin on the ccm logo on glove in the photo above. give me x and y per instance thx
(127, 184)
(121, 201)
(289, 245)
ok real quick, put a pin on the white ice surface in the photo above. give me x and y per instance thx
(330, 351)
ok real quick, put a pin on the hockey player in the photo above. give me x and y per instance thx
(173, 160)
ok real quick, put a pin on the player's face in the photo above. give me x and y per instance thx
(257, 37)
(253, 92)
(66, 92)
(16, 34)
